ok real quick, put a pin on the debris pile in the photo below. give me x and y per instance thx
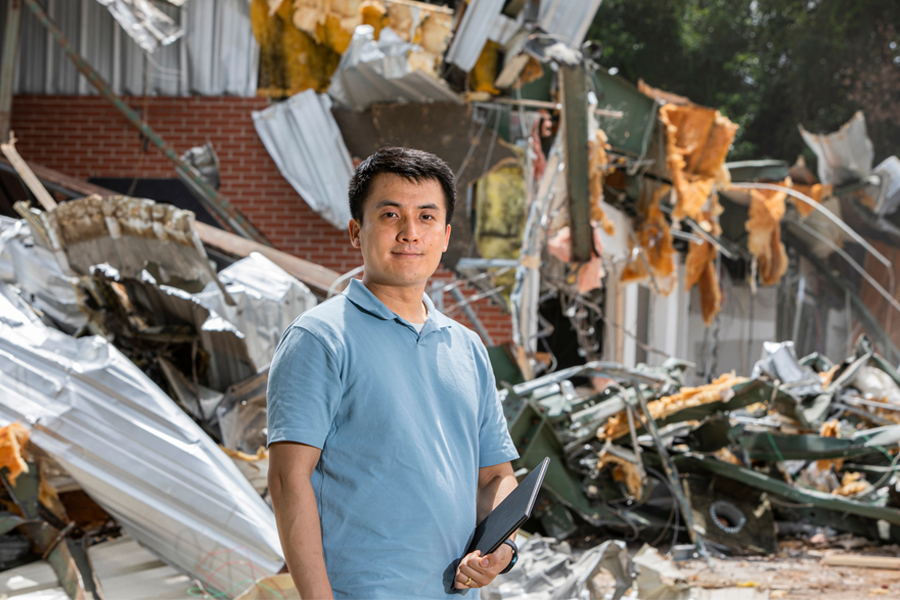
(726, 466)
(166, 360)
(133, 368)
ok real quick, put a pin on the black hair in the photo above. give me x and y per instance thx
(413, 165)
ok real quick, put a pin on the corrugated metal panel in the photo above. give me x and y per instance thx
(267, 299)
(472, 33)
(38, 275)
(218, 54)
(134, 451)
(303, 139)
(373, 71)
(124, 568)
(222, 52)
(568, 20)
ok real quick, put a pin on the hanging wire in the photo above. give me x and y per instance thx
(613, 323)
(490, 152)
(332, 289)
(145, 117)
(474, 144)
(668, 484)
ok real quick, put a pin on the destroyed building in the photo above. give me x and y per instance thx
(706, 349)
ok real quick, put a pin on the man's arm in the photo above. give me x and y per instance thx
(494, 484)
(297, 516)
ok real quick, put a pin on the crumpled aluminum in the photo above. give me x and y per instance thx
(302, 137)
(844, 156)
(38, 275)
(266, 301)
(373, 71)
(547, 570)
(779, 360)
(148, 26)
(134, 451)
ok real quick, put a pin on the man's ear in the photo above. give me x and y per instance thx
(446, 238)
(353, 228)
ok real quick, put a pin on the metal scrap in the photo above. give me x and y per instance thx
(303, 139)
(844, 156)
(133, 450)
(549, 571)
(380, 70)
(741, 452)
(148, 26)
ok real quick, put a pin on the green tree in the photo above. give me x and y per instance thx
(769, 65)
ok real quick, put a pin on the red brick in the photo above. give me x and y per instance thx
(83, 136)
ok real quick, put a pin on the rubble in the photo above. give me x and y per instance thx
(150, 460)
(132, 449)
(572, 577)
(742, 446)
(589, 210)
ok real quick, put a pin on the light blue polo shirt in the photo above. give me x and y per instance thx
(404, 421)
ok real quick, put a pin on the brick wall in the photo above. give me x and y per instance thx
(83, 136)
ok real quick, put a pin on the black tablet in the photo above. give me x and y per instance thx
(510, 514)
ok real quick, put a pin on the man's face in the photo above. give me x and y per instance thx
(404, 231)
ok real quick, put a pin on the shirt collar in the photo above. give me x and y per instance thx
(366, 301)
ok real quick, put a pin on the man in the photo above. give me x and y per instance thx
(387, 440)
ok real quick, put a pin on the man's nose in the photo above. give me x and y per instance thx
(409, 231)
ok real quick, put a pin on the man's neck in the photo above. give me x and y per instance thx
(406, 302)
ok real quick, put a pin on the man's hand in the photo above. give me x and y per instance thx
(475, 571)
(494, 484)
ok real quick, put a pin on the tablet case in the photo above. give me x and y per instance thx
(510, 514)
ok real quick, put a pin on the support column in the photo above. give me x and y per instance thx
(8, 65)
(575, 117)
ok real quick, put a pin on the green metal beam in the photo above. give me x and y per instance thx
(779, 447)
(218, 205)
(771, 485)
(575, 117)
(8, 65)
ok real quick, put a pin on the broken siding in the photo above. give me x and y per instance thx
(134, 451)
(217, 55)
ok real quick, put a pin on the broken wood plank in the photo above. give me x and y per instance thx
(856, 560)
(27, 175)
(61, 183)
(313, 275)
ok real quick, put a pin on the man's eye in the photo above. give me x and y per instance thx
(429, 217)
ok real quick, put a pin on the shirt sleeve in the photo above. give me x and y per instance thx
(304, 390)
(495, 444)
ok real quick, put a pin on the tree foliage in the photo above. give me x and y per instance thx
(769, 65)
